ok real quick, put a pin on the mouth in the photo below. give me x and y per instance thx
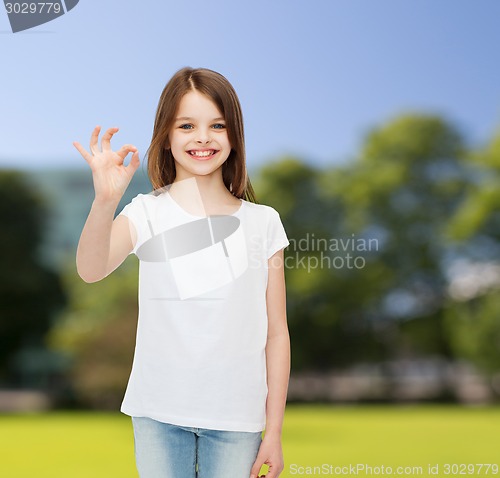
(202, 155)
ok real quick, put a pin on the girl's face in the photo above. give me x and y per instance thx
(198, 138)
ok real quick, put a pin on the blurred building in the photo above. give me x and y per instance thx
(69, 194)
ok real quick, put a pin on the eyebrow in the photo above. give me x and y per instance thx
(189, 118)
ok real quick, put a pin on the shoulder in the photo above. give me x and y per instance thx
(144, 198)
(266, 215)
(136, 206)
(262, 209)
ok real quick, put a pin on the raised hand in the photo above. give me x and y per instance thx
(111, 177)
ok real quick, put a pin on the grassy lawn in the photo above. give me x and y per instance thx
(100, 445)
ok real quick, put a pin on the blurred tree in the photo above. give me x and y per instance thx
(322, 292)
(409, 179)
(96, 334)
(474, 331)
(392, 203)
(30, 293)
(472, 315)
(477, 220)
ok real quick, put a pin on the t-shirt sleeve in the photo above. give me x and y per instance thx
(136, 214)
(276, 235)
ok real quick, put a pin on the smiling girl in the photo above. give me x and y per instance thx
(212, 357)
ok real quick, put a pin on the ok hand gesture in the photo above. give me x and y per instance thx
(111, 177)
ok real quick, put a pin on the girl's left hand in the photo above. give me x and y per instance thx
(271, 454)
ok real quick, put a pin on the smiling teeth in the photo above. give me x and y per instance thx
(202, 153)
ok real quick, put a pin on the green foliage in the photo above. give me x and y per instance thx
(409, 178)
(323, 305)
(97, 333)
(474, 331)
(30, 293)
(473, 325)
(478, 214)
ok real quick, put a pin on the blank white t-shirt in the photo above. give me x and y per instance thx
(199, 357)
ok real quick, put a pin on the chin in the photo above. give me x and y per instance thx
(202, 171)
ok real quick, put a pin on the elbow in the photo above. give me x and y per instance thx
(91, 280)
(88, 277)
(90, 273)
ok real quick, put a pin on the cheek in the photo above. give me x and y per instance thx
(226, 141)
(175, 141)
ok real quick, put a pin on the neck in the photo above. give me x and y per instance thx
(209, 188)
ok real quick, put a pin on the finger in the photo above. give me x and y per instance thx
(94, 147)
(134, 164)
(82, 151)
(125, 149)
(254, 472)
(274, 470)
(106, 145)
(271, 474)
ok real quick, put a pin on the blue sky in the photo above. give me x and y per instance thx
(312, 76)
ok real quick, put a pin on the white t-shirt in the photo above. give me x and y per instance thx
(199, 357)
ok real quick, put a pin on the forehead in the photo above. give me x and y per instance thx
(197, 105)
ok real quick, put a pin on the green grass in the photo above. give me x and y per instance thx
(100, 445)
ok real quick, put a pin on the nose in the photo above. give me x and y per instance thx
(203, 136)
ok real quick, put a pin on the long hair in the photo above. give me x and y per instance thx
(161, 164)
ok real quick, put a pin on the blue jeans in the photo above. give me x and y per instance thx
(163, 450)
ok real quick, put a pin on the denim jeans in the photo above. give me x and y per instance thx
(163, 450)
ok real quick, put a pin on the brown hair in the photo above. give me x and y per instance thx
(161, 164)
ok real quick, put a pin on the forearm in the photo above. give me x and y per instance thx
(93, 248)
(278, 374)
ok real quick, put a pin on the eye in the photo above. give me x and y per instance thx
(186, 126)
(219, 126)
